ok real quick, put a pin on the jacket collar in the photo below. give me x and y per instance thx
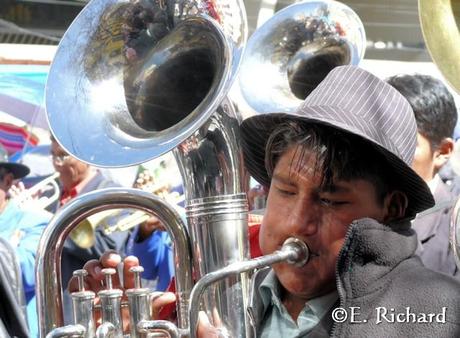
(372, 250)
(426, 224)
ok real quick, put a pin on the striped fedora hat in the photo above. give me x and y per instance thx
(353, 100)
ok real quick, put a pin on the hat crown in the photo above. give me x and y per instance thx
(362, 103)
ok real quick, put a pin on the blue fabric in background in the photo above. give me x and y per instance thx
(22, 93)
(28, 227)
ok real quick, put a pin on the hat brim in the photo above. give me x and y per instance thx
(257, 129)
(17, 169)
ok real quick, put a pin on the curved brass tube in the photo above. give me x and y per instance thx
(48, 268)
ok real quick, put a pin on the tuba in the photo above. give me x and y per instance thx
(293, 51)
(130, 81)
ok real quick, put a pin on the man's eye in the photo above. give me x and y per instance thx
(285, 192)
(328, 202)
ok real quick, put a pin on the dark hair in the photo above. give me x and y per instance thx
(432, 103)
(339, 155)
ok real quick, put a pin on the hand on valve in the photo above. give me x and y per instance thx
(94, 282)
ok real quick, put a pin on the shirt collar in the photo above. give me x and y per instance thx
(434, 183)
(270, 290)
(67, 195)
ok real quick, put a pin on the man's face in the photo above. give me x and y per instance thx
(424, 159)
(297, 206)
(71, 171)
(6, 180)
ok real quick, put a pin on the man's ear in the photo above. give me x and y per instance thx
(443, 153)
(395, 205)
(8, 180)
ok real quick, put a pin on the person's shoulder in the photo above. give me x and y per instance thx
(33, 216)
(422, 290)
(99, 181)
(427, 281)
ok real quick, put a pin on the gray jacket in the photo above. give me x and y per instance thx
(433, 228)
(12, 302)
(377, 271)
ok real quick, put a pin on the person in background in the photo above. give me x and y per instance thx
(22, 229)
(257, 197)
(150, 242)
(436, 117)
(77, 178)
(340, 180)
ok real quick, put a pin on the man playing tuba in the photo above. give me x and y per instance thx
(340, 180)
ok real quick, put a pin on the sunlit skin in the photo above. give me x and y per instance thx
(6, 182)
(428, 161)
(298, 206)
(72, 171)
(424, 157)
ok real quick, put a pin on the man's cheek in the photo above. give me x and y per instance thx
(267, 240)
(335, 247)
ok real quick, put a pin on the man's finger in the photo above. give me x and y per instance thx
(90, 284)
(128, 277)
(94, 267)
(205, 328)
(110, 259)
(159, 300)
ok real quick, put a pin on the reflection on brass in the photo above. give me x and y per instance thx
(292, 52)
(310, 65)
(310, 47)
(145, 73)
(440, 22)
(105, 52)
(109, 221)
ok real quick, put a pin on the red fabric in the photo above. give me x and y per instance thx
(168, 312)
(75, 190)
(68, 195)
(14, 138)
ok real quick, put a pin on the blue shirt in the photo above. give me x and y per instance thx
(278, 322)
(29, 224)
(155, 256)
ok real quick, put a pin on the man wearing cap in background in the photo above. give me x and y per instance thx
(77, 178)
(436, 117)
(340, 180)
(22, 229)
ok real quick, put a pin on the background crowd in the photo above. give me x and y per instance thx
(22, 220)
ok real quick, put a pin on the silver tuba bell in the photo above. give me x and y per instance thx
(132, 80)
(294, 50)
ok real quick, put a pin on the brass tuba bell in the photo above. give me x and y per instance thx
(292, 52)
(440, 22)
(130, 81)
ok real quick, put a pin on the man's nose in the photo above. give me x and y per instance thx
(304, 220)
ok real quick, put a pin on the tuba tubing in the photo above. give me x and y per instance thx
(48, 269)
